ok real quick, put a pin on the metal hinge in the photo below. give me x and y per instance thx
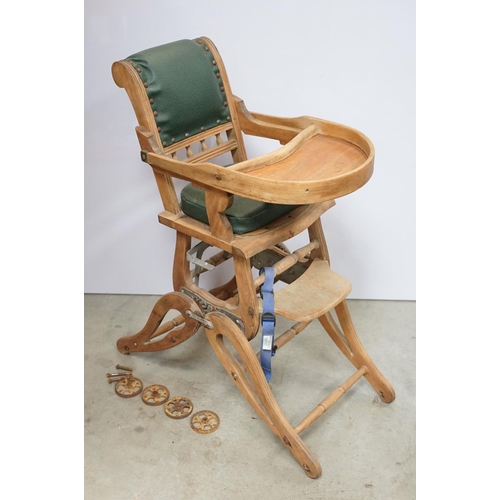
(206, 307)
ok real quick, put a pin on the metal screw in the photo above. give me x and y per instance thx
(116, 379)
(127, 368)
(118, 374)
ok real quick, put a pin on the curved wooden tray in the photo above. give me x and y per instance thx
(323, 162)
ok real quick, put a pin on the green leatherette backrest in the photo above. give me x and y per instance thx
(184, 87)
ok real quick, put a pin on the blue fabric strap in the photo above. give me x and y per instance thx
(267, 350)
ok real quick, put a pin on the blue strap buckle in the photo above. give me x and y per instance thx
(268, 316)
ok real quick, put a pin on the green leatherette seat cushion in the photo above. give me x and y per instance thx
(184, 87)
(244, 215)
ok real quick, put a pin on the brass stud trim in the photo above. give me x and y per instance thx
(146, 85)
(151, 101)
(155, 113)
(159, 129)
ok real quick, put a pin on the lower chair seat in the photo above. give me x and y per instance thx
(244, 215)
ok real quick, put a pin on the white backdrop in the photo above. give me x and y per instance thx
(348, 62)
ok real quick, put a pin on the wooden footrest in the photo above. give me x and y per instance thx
(315, 293)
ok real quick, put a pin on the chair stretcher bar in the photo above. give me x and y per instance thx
(330, 400)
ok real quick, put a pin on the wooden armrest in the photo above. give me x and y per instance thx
(272, 127)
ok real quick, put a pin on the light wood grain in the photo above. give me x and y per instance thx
(321, 157)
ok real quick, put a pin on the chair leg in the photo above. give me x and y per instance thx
(348, 342)
(175, 335)
(250, 380)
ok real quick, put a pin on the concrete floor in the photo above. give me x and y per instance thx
(133, 451)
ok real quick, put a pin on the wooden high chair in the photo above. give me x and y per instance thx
(187, 116)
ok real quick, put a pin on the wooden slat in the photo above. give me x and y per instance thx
(225, 147)
(189, 141)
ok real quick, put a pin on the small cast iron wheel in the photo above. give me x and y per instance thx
(128, 387)
(178, 407)
(155, 395)
(205, 422)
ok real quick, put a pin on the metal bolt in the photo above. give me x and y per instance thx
(116, 379)
(126, 368)
(234, 375)
(118, 374)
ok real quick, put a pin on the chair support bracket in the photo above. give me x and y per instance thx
(207, 307)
